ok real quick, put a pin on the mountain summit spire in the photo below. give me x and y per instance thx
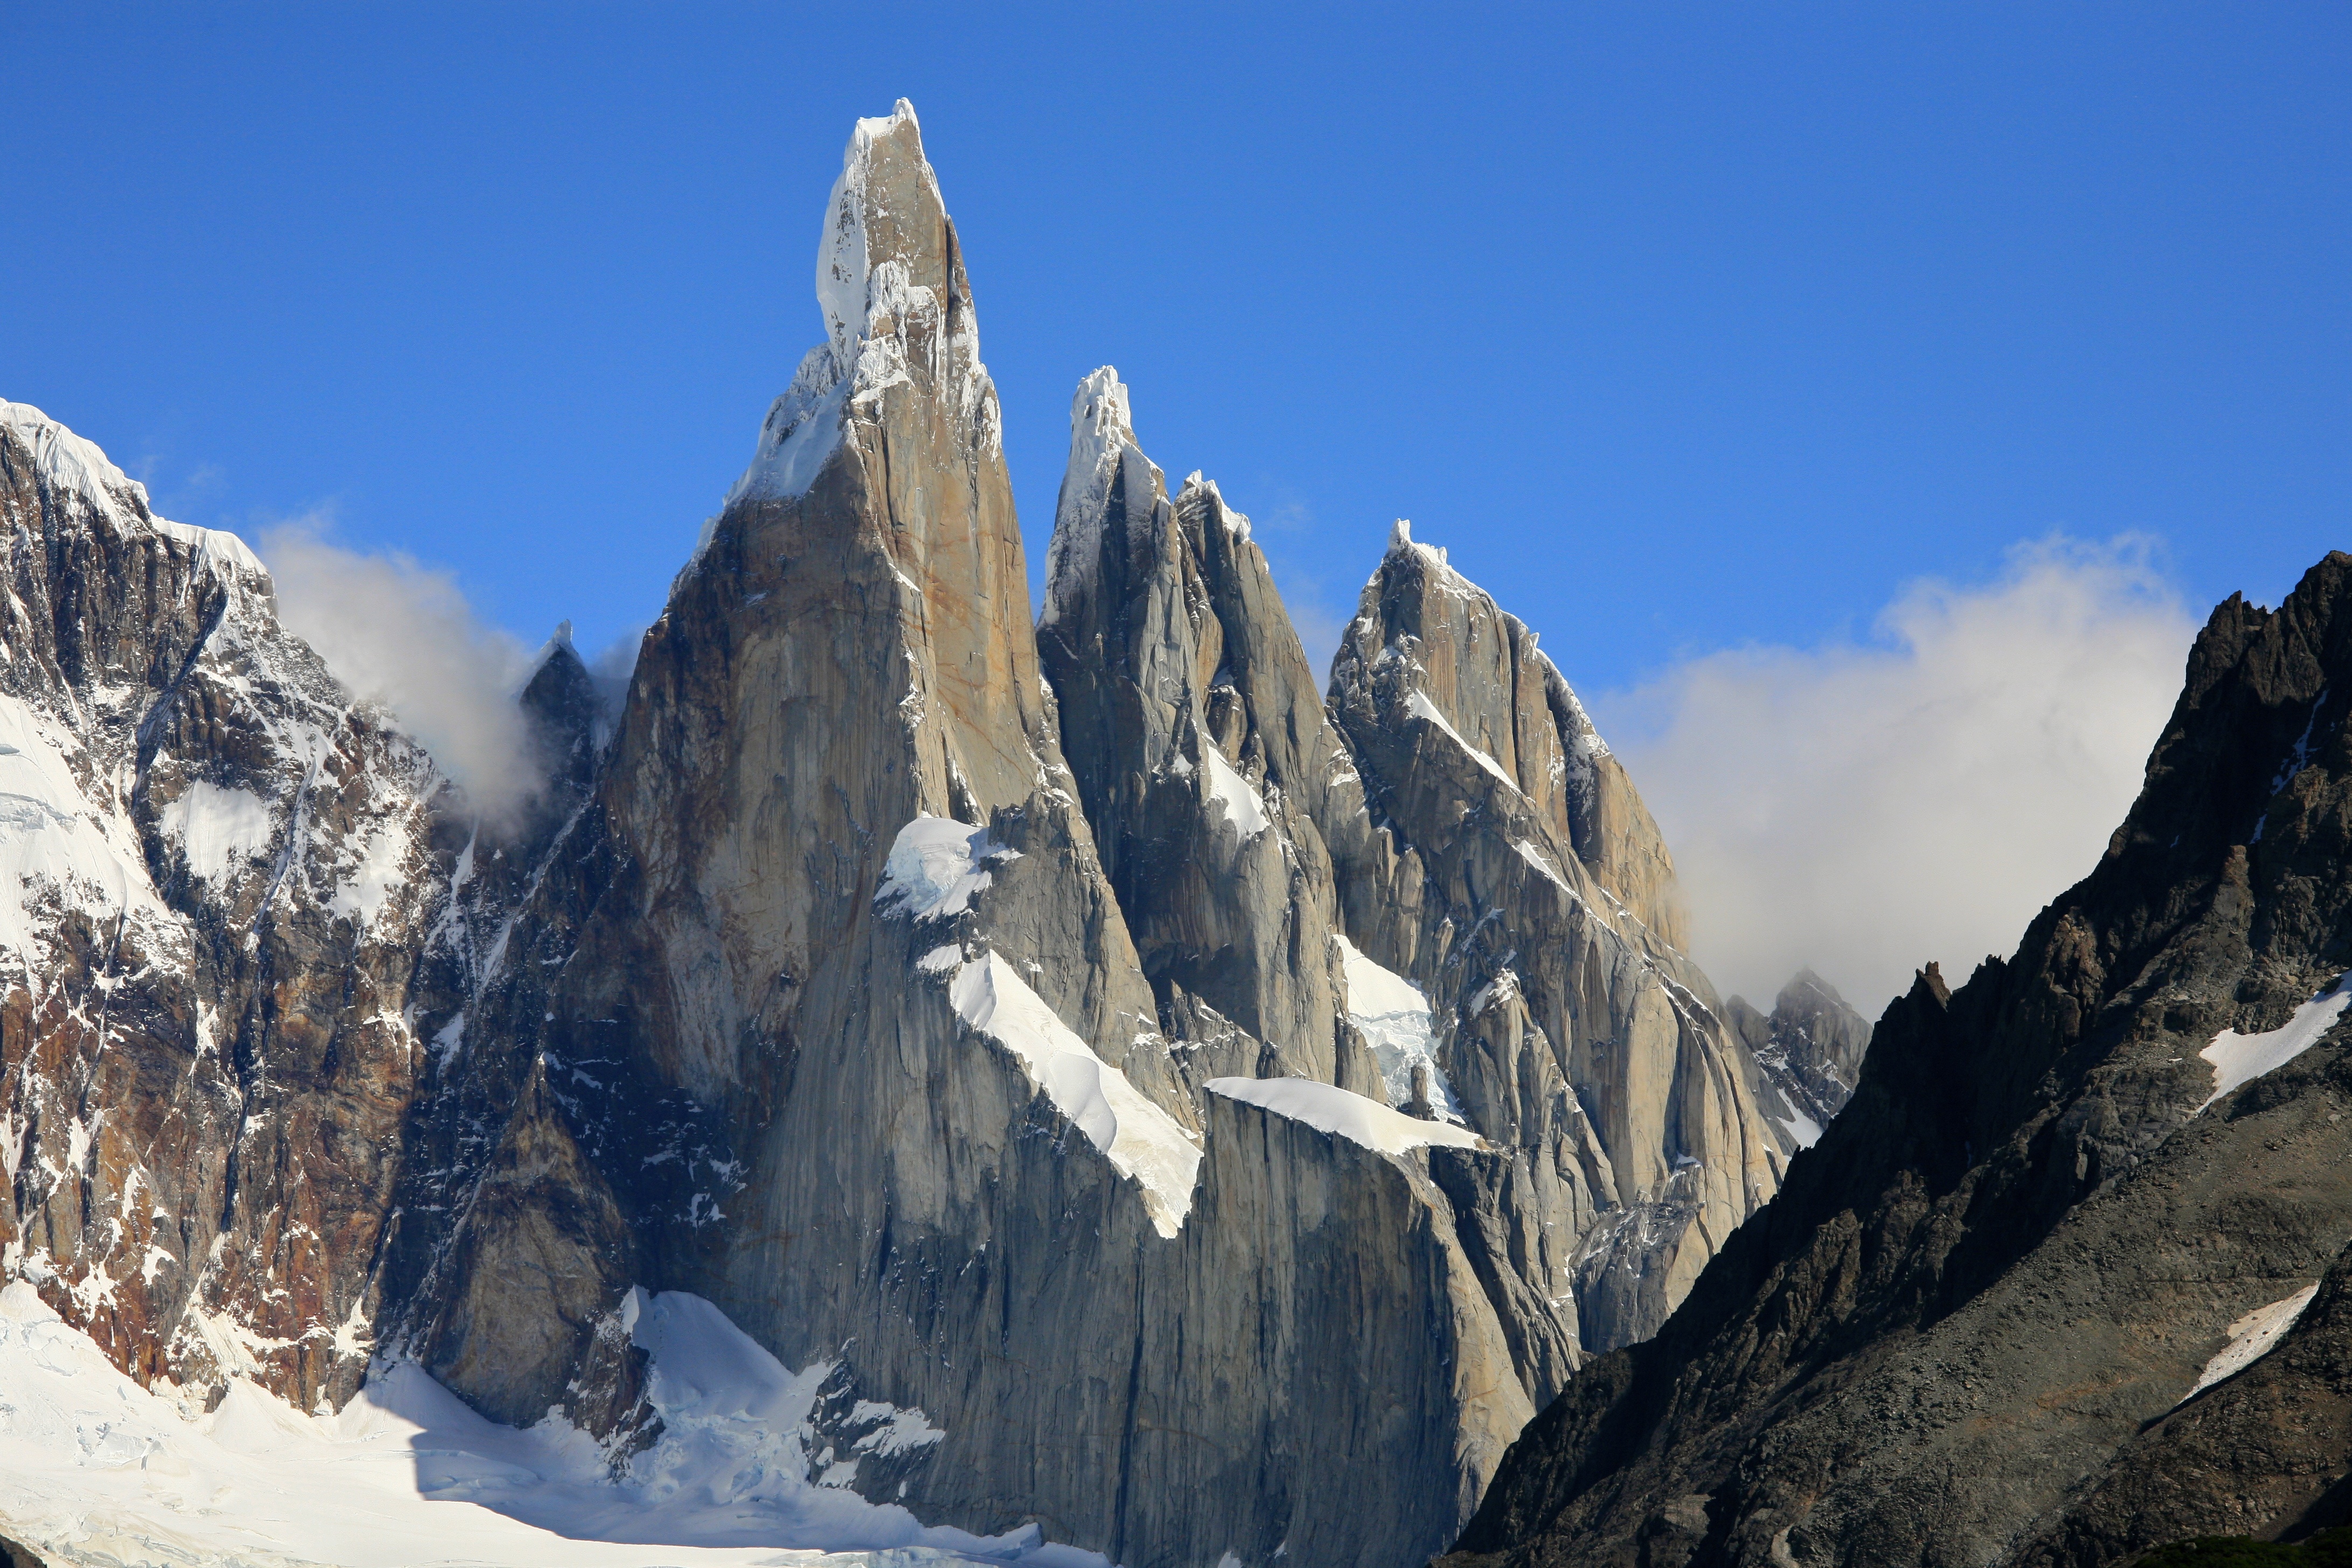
(891, 290)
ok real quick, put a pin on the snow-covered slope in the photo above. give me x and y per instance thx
(94, 1468)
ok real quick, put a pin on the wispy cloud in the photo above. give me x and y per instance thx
(402, 633)
(1866, 807)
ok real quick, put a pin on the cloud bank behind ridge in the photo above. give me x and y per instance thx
(1865, 807)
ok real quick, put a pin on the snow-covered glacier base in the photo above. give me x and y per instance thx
(95, 1469)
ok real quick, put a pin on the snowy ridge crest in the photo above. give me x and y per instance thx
(1201, 495)
(65, 464)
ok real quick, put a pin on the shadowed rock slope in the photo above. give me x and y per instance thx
(1972, 1327)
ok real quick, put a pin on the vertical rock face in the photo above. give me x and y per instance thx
(1203, 757)
(1808, 1052)
(1998, 1314)
(217, 903)
(1546, 933)
(1166, 643)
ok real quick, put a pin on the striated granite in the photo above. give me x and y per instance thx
(825, 1007)
(1536, 906)
(1203, 757)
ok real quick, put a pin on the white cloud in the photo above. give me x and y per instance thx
(402, 634)
(1868, 807)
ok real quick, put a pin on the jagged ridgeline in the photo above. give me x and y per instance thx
(1181, 1089)
(2069, 1277)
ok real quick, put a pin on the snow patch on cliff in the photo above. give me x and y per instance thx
(1142, 1141)
(1419, 704)
(1241, 806)
(219, 830)
(937, 867)
(1803, 1129)
(802, 430)
(2239, 1059)
(2252, 1337)
(56, 846)
(379, 871)
(1392, 1016)
(1330, 1109)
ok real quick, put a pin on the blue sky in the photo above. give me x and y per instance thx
(1682, 327)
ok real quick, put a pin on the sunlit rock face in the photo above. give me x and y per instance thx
(1535, 903)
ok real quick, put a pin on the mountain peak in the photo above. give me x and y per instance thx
(1402, 543)
(1102, 439)
(883, 151)
(65, 464)
(1101, 427)
(890, 286)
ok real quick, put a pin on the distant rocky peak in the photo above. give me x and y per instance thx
(565, 709)
(1123, 553)
(1107, 472)
(1420, 590)
(1102, 431)
(1199, 504)
(1808, 1053)
(1402, 543)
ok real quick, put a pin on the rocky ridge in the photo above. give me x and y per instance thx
(224, 933)
(1534, 900)
(2013, 1307)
